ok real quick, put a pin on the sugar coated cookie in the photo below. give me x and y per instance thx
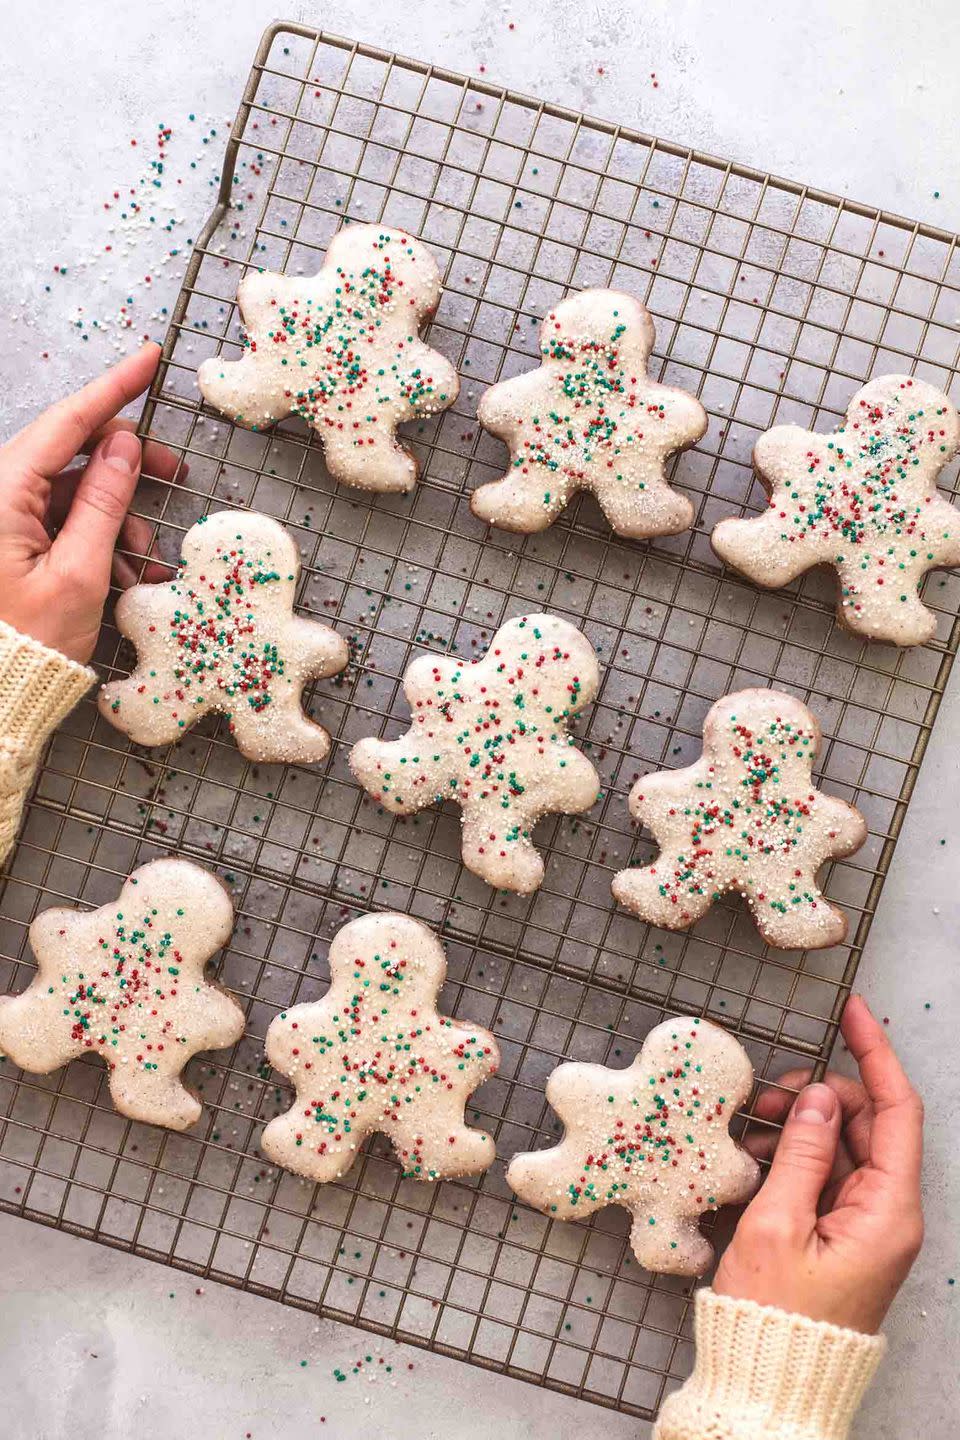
(342, 350)
(126, 982)
(223, 636)
(492, 735)
(375, 1055)
(652, 1138)
(746, 816)
(590, 418)
(863, 499)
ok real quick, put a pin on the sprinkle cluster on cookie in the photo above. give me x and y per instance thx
(745, 817)
(862, 499)
(126, 982)
(375, 1055)
(342, 350)
(492, 735)
(590, 418)
(652, 1138)
(223, 637)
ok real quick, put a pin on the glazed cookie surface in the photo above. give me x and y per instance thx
(492, 735)
(126, 982)
(863, 499)
(376, 1055)
(223, 637)
(342, 350)
(590, 418)
(745, 817)
(652, 1138)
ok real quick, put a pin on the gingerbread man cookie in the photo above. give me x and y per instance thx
(746, 816)
(862, 499)
(652, 1138)
(590, 418)
(375, 1055)
(223, 636)
(342, 350)
(126, 982)
(492, 735)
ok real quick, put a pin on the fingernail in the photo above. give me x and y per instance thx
(815, 1105)
(121, 451)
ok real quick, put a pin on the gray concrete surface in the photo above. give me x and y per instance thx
(857, 98)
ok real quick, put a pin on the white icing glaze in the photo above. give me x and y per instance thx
(652, 1138)
(492, 735)
(862, 499)
(126, 982)
(590, 419)
(342, 350)
(375, 1055)
(223, 637)
(745, 817)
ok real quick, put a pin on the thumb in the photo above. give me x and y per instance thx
(805, 1155)
(99, 506)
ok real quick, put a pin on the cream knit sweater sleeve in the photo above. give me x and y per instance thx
(38, 688)
(761, 1374)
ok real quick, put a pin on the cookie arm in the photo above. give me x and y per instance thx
(534, 488)
(402, 775)
(139, 706)
(660, 892)
(252, 391)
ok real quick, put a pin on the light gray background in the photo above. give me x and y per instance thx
(856, 96)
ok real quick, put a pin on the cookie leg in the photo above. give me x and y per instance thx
(503, 861)
(377, 461)
(522, 503)
(287, 736)
(323, 652)
(442, 1147)
(131, 705)
(645, 892)
(295, 1142)
(32, 1033)
(669, 1244)
(663, 511)
(910, 624)
(814, 925)
(153, 1096)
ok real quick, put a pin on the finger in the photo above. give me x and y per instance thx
(762, 1145)
(52, 440)
(138, 539)
(843, 1166)
(805, 1156)
(160, 462)
(99, 506)
(774, 1104)
(896, 1135)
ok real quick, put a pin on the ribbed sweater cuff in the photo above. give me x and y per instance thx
(38, 688)
(763, 1374)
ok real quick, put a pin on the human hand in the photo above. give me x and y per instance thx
(838, 1223)
(59, 525)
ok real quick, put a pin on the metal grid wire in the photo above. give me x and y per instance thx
(772, 302)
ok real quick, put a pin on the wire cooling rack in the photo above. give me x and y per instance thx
(773, 302)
